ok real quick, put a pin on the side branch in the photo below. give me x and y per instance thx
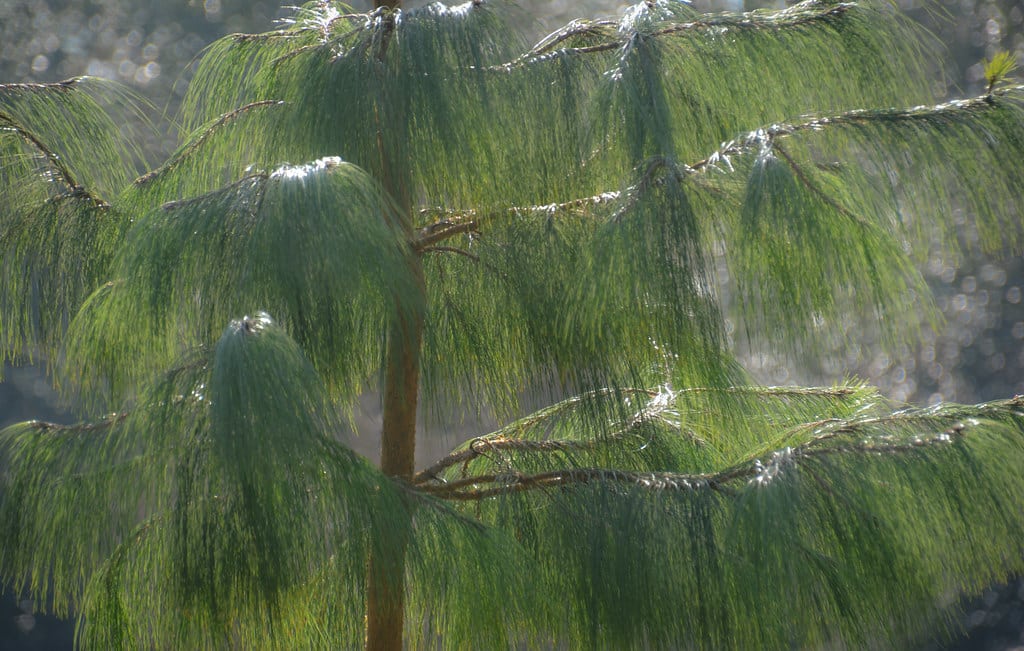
(500, 439)
(506, 439)
(576, 28)
(758, 138)
(867, 116)
(491, 485)
(458, 224)
(481, 447)
(814, 189)
(198, 142)
(799, 14)
(455, 222)
(66, 84)
(572, 30)
(81, 428)
(8, 123)
(758, 473)
(807, 12)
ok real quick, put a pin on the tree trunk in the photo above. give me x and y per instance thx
(385, 608)
(401, 389)
(385, 599)
(385, 602)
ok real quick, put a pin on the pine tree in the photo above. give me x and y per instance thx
(417, 202)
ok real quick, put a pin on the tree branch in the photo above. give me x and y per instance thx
(813, 188)
(9, 123)
(481, 446)
(573, 29)
(455, 222)
(760, 472)
(498, 440)
(440, 231)
(803, 13)
(106, 423)
(504, 484)
(198, 142)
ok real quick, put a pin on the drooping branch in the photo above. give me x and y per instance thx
(838, 427)
(574, 29)
(197, 142)
(77, 137)
(451, 222)
(502, 439)
(813, 187)
(457, 222)
(760, 472)
(660, 405)
(60, 168)
(81, 428)
(804, 13)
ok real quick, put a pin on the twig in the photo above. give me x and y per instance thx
(45, 426)
(442, 231)
(809, 183)
(475, 450)
(55, 161)
(195, 144)
(456, 222)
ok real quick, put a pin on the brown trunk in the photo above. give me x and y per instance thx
(385, 599)
(401, 388)
(385, 603)
(385, 606)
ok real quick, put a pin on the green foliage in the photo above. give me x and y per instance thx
(317, 243)
(771, 549)
(1001, 66)
(206, 513)
(558, 218)
(61, 153)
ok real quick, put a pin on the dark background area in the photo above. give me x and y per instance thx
(976, 355)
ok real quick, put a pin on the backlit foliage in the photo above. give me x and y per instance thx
(552, 216)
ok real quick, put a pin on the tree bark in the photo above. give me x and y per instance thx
(401, 390)
(385, 602)
(385, 599)
(385, 609)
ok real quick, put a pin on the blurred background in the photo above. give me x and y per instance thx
(976, 355)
